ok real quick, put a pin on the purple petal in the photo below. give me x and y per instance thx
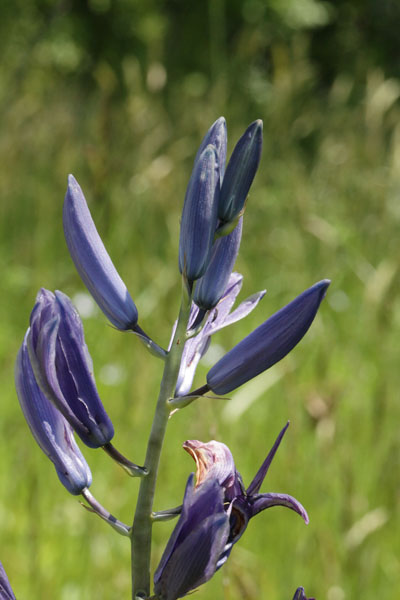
(217, 136)
(211, 287)
(267, 344)
(260, 502)
(6, 592)
(244, 308)
(240, 172)
(49, 428)
(93, 262)
(195, 561)
(199, 216)
(218, 318)
(255, 485)
(197, 541)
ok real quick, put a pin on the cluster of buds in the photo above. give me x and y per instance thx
(54, 371)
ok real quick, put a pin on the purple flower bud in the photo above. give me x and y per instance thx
(63, 367)
(217, 136)
(300, 594)
(199, 216)
(93, 262)
(211, 287)
(240, 172)
(49, 428)
(267, 344)
(6, 592)
(190, 558)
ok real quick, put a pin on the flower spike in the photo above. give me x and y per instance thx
(49, 428)
(92, 261)
(267, 344)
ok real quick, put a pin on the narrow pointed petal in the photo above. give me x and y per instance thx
(244, 308)
(240, 172)
(217, 318)
(267, 344)
(92, 261)
(6, 592)
(190, 558)
(199, 216)
(211, 287)
(49, 428)
(255, 485)
(216, 136)
(260, 502)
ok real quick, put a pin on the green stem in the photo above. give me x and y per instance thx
(143, 521)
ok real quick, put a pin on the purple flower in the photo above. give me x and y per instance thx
(240, 173)
(214, 462)
(211, 287)
(267, 344)
(63, 367)
(300, 595)
(49, 428)
(93, 262)
(191, 556)
(199, 215)
(218, 318)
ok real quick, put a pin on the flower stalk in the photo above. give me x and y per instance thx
(143, 520)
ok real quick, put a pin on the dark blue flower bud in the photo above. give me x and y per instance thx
(93, 262)
(240, 172)
(63, 367)
(300, 594)
(6, 592)
(199, 216)
(211, 287)
(267, 344)
(49, 428)
(217, 136)
(191, 556)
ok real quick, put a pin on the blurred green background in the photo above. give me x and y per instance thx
(120, 94)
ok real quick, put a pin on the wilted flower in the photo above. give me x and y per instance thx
(300, 595)
(214, 461)
(63, 367)
(49, 428)
(218, 318)
(267, 344)
(211, 287)
(191, 556)
(199, 215)
(240, 173)
(93, 262)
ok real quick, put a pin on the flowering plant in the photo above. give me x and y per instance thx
(58, 395)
